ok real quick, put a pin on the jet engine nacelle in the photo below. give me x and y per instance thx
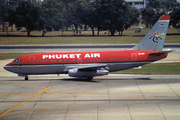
(78, 73)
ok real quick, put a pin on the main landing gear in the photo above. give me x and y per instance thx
(89, 78)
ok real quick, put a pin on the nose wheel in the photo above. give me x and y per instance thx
(26, 78)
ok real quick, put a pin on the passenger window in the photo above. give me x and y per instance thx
(54, 60)
(43, 60)
(51, 60)
(37, 61)
(40, 61)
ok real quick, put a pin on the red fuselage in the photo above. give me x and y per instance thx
(89, 57)
(62, 62)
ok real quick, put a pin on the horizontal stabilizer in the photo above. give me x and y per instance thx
(160, 53)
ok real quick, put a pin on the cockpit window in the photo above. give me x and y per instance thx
(17, 61)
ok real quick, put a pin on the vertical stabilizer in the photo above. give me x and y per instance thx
(154, 39)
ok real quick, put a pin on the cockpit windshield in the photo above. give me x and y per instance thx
(17, 61)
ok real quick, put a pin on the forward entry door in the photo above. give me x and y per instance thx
(32, 61)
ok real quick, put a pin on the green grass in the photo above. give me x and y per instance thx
(155, 68)
(11, 55)
(55, 37)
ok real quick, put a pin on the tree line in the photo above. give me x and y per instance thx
(112, 15)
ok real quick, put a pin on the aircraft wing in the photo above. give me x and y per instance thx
(94, 67)
(88, 67)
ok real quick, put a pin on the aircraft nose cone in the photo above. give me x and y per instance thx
(6, 68)
(9, 68)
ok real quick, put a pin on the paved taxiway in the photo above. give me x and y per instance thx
(112, 97)
(57, 48)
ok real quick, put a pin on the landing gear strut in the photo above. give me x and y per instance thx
(26, 78)
(89, 78)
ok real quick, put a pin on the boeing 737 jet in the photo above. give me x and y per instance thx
(95, 63)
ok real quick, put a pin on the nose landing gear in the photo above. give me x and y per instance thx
(24, 75)
(26, 78)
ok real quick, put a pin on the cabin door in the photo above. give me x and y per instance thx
(32, 61)
(134, 57)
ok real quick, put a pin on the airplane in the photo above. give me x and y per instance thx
(95, 63)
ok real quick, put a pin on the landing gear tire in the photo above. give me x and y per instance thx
(89, 78)
(26, 78)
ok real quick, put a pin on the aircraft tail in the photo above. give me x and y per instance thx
(154, 39)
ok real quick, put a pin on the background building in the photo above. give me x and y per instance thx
(139, 4)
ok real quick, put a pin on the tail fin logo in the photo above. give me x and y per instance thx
(155, 36)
